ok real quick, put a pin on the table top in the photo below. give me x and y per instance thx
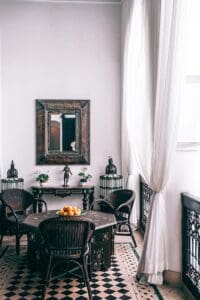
(101, 220)
(61, 187)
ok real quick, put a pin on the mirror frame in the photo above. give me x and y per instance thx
(80, 108)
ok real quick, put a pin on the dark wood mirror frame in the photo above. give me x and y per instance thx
(78, 108)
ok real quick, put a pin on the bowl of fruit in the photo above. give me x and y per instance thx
(70, 211)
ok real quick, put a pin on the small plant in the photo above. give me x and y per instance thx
(42, 177)
(84, 175)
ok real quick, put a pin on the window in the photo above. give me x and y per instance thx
(189, 129)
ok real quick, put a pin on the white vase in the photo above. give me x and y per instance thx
(43, 183)
(83, 183)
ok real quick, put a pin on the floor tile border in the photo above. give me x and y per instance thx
(158, 294)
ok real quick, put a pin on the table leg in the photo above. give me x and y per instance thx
(102, 246)
(39, 200)
(91, 197)
(37, 255)
(40, 205)
(85, 199)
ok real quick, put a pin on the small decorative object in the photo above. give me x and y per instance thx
(42, 177)
(111, 168)
(12, 181)
(110, 183)
(67, 173)
(84, 176)
(12, 172)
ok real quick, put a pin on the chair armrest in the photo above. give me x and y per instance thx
(45, 204)
(125, 204)
(12, 211)
(99, 201)
(39, 201)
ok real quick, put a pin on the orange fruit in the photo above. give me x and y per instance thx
(71, 213)
(77, 213)
(70, 208)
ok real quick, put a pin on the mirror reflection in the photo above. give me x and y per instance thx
(62, 132)
(62, 136)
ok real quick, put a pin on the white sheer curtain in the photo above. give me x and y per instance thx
(127, 168)
(135, 99)
(153, 72)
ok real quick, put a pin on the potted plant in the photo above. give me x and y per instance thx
(85, 176)
(42, 177)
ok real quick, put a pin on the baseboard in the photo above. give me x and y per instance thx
(173, 278)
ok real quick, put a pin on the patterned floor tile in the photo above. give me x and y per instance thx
(17, 282)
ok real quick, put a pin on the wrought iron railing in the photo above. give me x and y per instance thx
(145, 199)
(191, 243)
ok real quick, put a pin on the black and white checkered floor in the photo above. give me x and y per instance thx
(17, 282)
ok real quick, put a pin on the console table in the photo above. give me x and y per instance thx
(87, 191)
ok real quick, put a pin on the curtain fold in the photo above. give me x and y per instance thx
(153, 63)
(133, 43)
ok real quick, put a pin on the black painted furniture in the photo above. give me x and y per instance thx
(87, 191)
(67, 240)
(14, 208)
(102, 243)
(12, 183)
(191, 243)
(146, 194)
(120, 203)
(110, 183)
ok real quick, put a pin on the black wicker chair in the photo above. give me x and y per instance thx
(14, 206)
(120, 203)
(67, 240)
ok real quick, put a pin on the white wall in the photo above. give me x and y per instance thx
(59, 51)
(185, 177)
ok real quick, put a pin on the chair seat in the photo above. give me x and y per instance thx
(20, 218)
(121, 219)
(11, 223)
(67, 253)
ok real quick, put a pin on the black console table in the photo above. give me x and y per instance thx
(87, 191)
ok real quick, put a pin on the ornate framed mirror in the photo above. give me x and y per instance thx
(62, 132)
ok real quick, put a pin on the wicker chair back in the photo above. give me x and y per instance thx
(119, 197)
(14, 205)
(17, 199)
(67, 236)
(120, 203)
